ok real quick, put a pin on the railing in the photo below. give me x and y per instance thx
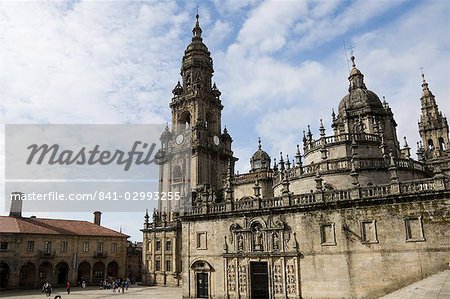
(303, 199)
(245, 204)
(323, 197)
(46, 254)
(336, 195)
(271, 202)
(100, 254)
(361, 137)
(217, 208)
(375, 191)
(345, 165)
(420, 186)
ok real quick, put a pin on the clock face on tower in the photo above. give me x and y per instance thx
(179, 139)
(216, 140)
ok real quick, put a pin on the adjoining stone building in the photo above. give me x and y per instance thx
(134, 261)
(352, 216)
(36, 250)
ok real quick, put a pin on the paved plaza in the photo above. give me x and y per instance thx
(433, 287)
(137, 292)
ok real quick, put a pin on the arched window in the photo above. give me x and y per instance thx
(210, 123)
(184, 121)
(430, 144)
(441, 144)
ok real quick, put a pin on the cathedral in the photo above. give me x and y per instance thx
(354, 215)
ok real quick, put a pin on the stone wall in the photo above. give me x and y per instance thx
(357, 252)
(39, 266)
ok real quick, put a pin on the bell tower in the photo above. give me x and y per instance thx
(433, 126)
(198, 162)
(196, 116)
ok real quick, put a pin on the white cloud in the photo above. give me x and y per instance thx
(68, 63)
(218, 34)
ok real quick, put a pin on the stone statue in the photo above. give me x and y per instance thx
(258, 238)
(276, 242)
(240, 243)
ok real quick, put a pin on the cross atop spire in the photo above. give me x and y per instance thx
(197, 31)
(423, 75)
(353, 61)
(424, 82)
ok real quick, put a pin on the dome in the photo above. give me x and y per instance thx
(178, 90)
(197, 45)
(225, 135)
(260, 155)
(260, 159)
(359, 98)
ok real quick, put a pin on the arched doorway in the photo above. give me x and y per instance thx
(4, 275)
(45, 272)
(99, 272)
(202, 270)
(62, 273)
(84, 273)
(27, 275)
(113, 269)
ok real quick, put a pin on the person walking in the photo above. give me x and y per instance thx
(49, 289)
(122, 284)
(68, 287)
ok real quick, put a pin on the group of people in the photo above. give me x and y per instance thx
(111, 283)
(47, 288)
(115, 284)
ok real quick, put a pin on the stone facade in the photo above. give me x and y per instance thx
(36, 250)
(134, 261)
(352, 216)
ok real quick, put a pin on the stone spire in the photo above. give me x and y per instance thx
(433, 125)
(197, 31)
(197, 66)
(356, 78)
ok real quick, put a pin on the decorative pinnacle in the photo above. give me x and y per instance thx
(353, 61)
(197, 31)
(259, 142)
(225, 130)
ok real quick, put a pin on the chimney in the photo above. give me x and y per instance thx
(16, 204)
(97, 217)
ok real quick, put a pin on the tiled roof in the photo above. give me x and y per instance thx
(16, 225)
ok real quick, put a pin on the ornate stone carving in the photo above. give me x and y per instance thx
(278, 278)
(259, 235)
(257, 238)
(275, 241)
(242, 279)
(291, 278)
(240, 243)
(231, 271)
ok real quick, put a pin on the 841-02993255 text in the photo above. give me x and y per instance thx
(97, 195)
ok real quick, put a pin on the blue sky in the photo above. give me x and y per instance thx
(280, 65)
